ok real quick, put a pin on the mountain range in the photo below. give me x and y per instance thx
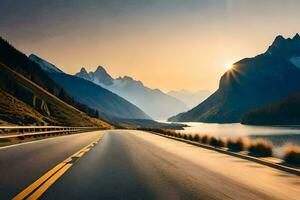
(153, 102)
(107, 103)
(252, 83)
(35, 92)
(191, 99)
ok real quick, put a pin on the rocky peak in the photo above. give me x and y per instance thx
(100, 69)
(103, 76)
(83, 74)
(285, 48)
(127, 78)
(83, 71)
(278, 40)
(296, 37)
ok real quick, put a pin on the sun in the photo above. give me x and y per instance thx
(228, 66)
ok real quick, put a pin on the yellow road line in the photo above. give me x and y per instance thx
(81, 154)
(86, 150)
(38, 182)
(36, 189)
(48, 184)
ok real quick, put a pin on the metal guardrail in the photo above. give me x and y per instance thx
(22, 131)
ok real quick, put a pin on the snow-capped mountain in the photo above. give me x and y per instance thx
(86, 92)
(154, 102)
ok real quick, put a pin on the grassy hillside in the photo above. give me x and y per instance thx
(19, 62)
(14, 111)
(25, 84)
(21, 95)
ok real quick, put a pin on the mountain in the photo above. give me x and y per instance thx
(100, 76)
(283, 112)
(107, 103)
(191, 99)
(46, 66)
(252, 83)
(30, 97)
(153, 101)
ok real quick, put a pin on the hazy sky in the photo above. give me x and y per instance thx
(168, 44)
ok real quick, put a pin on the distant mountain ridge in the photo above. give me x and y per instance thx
(153, 101)
(252, 83)
(191, 99)
(107, 103)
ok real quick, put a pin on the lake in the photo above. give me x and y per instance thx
(277, 135)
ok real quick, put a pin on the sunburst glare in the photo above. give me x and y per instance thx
(228, 66)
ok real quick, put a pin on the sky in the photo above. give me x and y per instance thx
(167, 44)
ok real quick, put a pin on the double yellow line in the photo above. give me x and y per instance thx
(36, 189)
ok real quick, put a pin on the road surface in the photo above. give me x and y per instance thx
(139, 165)
(21, 165)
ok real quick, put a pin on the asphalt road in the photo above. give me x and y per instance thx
(139, 165)
(21, 165)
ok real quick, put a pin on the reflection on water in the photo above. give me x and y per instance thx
(278, 135)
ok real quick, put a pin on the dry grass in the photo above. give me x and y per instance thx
(190, 137)
(196, 138)
(218, 142)
(258, 148)
(16, 111)
(213, 141)
(239, 144)
(185, 136)
(222, 142)
(261, 148)
(292, 154)
(205, 139)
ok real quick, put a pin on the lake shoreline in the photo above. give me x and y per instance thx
(278, 135)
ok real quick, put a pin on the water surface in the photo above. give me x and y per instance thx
(278, 135)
